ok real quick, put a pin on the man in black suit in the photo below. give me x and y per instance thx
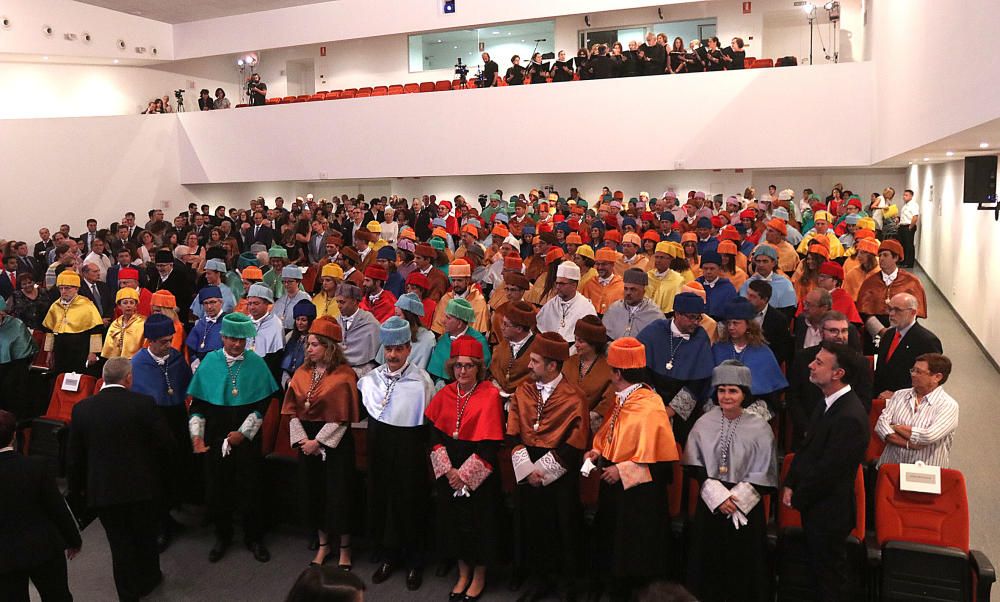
(121, 239)
(260, 232)
(87, 238)
(27, 263)
(133, 231)
(803, 397)
(776, 325)
(43, 246)
(8, 277)
(900, 344)
(117, 448)
(820, 482)
(37, 526)
(103, 298)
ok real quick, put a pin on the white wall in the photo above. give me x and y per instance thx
(922, 93)
(735, 126)
(956, 246)
(66, 170)
(65, 16)
(54, 90)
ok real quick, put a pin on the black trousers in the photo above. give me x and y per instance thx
(233, 484)
(827, 549)
(906, 236)
(49, 579)
(131, 530)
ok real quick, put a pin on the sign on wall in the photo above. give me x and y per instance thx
(746, 8)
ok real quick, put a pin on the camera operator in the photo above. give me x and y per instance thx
(205, 102)
(256, 90)
(490, 72)
(515, 75)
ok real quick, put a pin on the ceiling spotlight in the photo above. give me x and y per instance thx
(239, 62)
(808, 7)
(950, 153)
(115, 61)
(984, 145)
(496, 33)
(927, 158)
(910, 163)
(45, 58)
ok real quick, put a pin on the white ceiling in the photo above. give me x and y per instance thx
(962, 144)
(182, 11)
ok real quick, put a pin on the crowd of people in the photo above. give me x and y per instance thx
(206, 102)
(656, 56)
(539, 353)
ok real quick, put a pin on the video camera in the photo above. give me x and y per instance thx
(462, 71)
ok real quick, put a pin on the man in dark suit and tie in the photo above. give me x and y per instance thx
(98, 292)
(900, 345)
(37, 526)
(87, 238)
(808, 326)
(43, 246)
(259, 232)
(803, 397)
(117, 448)
(820, 482)
(27, 263)
(776, 325)
(8, 277)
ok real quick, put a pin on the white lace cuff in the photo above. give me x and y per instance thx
(196, 426)
(251, 425)
(296, 434)
(550, 468)
(331, 434)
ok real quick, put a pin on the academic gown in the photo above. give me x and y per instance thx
(728, 563)
(269, 342)
(874, 294)
(479, 308)
(361, 340)
(228, 302)
(124, 339)
(442, 353)
(17, 349)
(691, 364)
(383, 307)
(471, 528)
(602, 296)
(662, 290)
(782, 290)
(768, 379)
(284, 308)
(633, 525)
(399, 489)
(76, 332)
(717, 295)
(235, 480)
(509, 371)
(561, 316)
(328, 482)
(168, 384)
(548, 520)
(623, 320)
(421, 348)
(205, 337)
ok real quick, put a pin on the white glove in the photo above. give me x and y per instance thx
(226, 448)
(463, 492)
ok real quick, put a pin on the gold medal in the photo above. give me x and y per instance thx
(170, 391)
(723, 469)
(307, 404)
(235, 391)
(454, 435)
(670, 365)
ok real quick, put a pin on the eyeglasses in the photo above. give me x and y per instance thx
(459, 367)
(916, 370)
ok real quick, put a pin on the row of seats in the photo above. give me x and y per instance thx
(438, 86)
(918, 548)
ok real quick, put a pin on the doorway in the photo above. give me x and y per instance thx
(300, 77)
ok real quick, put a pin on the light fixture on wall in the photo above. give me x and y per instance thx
(950, 154)
(122, 45)
(586, 20)
(47, 31)
(86, 37)
(659, 12)
(5, 22)
(984, 145)
(153, 51)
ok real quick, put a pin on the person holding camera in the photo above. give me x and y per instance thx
(256, 90)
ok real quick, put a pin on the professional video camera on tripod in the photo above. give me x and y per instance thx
(179, 95)
(462, 71)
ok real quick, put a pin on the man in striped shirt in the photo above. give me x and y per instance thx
(918, 424)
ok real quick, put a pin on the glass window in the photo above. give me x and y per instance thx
(695, 29)
(441, 50)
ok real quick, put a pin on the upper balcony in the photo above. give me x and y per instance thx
(756, 118)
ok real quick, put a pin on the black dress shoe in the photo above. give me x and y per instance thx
(218, 550)
(383, 572)
(444, 568)
(414, 579)
(468, 598)
(259, 550)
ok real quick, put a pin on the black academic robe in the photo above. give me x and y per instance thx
(399, 490)
(632, 522)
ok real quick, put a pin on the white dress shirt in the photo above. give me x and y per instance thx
(933, 422)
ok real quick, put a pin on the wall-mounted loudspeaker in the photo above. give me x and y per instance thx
(980, 179)
(154, 51)
(659, 12)
(122, 45)
(47, 30)
(86, 37)
(5, 22)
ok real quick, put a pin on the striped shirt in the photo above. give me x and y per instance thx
(933, 422)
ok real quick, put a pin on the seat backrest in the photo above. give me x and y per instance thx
(395, 89)
(315, 97)
(426, 86)
(925, 518)
(348, 93)
(875, 443)
(288, 99)
(273, 101)
(759, 63)
(367, 89)
(790, 517)
(380, 90)
(748, 61)
(442, 86)
(332, 95)
(362, 94)
(61, 403)
(411, 88)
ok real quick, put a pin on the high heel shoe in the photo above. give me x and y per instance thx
(346, 567)
(453, 596)
(326, 557)
(467, 598)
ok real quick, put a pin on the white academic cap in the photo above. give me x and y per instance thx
(568, 270)
(510, 240)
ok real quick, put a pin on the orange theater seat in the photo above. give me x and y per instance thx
(748, 62)
(875, 443)
(49, 433)
(332, 95)
(924, 542)
(442, 86)
(351, 93)
(316, 97)
(456, 84)
(411, 88)
(362, 94)
(365, 90)
(760, 63)
(395, 89)
(380, 91)
(273, 101)
(287, 99)
(40, 361)
(427, 86)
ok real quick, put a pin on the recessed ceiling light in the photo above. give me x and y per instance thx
(45, 58)
(439, 41)
(455, 47)
(910, 163)
(984, 145)
(927, 158)
(508, 33)
(496, 33)
(522, 40)
(950, 153)
(116, 61)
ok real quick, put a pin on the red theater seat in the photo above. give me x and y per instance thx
(924, 542)
(442, 86)
(332, 95)
(366, 89)
(273, 101)
(761, 63)
(426, 86)
(49, 433)
(875, 443)
(287, 99)
(412, 88)
(351, 93)
(362, 94)
(316, 97)
(748, 62)
(395, 89)
(380, 91)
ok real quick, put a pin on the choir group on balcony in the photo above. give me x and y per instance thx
(542, 350)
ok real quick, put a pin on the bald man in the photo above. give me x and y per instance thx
(901, 344)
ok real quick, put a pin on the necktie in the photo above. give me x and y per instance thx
(892, 347)
(97, 296)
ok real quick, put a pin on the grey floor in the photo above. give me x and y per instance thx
(189, 577)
